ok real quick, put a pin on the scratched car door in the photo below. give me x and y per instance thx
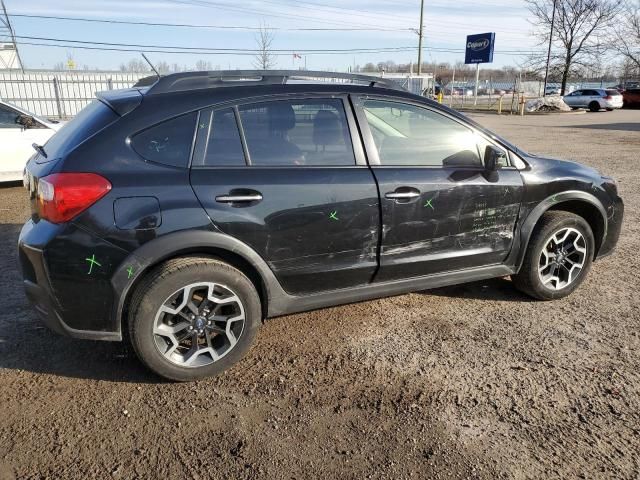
(291, 184)
(441, 211)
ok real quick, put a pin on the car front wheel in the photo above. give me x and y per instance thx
(558, 257)
(193, 317)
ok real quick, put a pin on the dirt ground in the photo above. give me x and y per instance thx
(472, 381)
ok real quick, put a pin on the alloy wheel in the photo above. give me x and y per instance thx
(562, 258)
(199, 324)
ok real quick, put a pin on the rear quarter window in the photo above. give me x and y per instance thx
(169, 142)
(613, 92)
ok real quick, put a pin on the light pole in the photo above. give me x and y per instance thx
(546, 73)
(420, 38)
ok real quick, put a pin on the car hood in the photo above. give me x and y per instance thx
(560, 168)
(55, 126)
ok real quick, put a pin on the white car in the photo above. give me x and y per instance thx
(552, 90)
(594, 99)
(19, 130)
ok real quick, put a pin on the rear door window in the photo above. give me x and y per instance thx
(169, 142)
(297, 132)
(218, 143)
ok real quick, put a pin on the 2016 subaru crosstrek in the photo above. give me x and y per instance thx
(182, 214)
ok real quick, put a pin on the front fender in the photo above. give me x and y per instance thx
(553, 201)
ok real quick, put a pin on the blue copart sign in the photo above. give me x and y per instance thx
(480, 48)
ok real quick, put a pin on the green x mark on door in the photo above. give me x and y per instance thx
(429, 204)
(334, 215)
(92, 261)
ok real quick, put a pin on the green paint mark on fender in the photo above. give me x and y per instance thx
(334, 215)
(554, 199)
(92, 261)
(428, 204)
(129, 272)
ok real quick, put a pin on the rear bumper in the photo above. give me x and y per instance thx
(63, 318)
(612, 104)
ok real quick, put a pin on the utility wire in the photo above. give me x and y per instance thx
(205, 51)
(430, 27)
(303, 50)
(189, 25)
(231, 8)
(142, 46)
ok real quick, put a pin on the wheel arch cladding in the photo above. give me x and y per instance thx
(578, 202)
(199, 243)
(590, 213)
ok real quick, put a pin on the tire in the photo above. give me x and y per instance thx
(528, 280)
(594, 106)
(179, 285)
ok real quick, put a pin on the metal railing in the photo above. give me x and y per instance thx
(59, 95)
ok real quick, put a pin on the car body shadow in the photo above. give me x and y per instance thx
(494, 289)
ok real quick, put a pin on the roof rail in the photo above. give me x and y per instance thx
(178, 82)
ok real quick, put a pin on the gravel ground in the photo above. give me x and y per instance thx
(461, 382)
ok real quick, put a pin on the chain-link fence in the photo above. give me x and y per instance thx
(59, 94)
(500, 96)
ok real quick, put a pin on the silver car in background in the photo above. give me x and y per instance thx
(594, 99)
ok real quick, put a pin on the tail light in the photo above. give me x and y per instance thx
(62, 196)
(608, 97)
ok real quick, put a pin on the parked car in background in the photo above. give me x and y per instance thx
(621, 87)
(19, 130)
(594, 99)
(631, 98)
(181, 215)
(462, 91)
(552, 90)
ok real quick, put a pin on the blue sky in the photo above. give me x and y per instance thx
(446, 26)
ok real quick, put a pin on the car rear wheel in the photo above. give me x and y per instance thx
(193, 318)
(558, 257)
(594, 106)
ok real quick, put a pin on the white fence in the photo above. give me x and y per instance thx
(59, 94)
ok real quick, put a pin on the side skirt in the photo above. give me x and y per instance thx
(284, 304)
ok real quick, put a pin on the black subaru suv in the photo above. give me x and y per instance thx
(181, 214)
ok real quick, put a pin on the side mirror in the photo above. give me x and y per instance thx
(494, 158)
(27, 121)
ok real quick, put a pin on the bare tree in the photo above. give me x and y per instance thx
(264, 58)
(626, 36)
(162, 67)
(203, 65)
(134, 65)
(577, 30)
